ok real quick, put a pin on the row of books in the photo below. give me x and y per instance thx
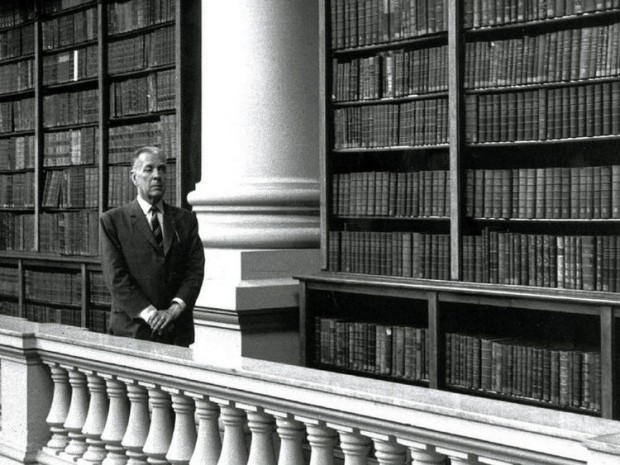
(357, 23)
(484, 13)
(144, 51)
(70, 108)
(124, 140)
(122, 190)
(53, 6)
(70, 233)
(15, 12)
(74, 65)
(155, 92)
(73, 147)
(61, 288)
(70, 29)
(74, 187)
(17, 190)
(99, 293)
(416, 123)
(128, 16)
(16, 77)
(591, 192)
(18, 153)
(543, 260)
(8, 281)
(17, 115)
(98, 320)
(396, 73)
(417, 255)
(9, 308)
(567, 55)
(16, 232)
(544, 114)
(560, 374)
(16, 42)
(45, 314)
(380, 193)
(397, 351)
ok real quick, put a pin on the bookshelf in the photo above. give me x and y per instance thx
(84, 84)
(470, 199)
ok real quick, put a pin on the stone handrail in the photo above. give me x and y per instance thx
(70, 396)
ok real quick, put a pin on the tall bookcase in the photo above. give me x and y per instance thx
(470, 200)
(84, 83)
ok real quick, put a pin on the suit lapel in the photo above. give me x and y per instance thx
(170, 231)
(141, 224)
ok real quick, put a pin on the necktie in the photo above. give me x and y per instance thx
(156, 227)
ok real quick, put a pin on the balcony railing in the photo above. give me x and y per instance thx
(70, 396)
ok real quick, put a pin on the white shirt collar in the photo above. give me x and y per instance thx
(145, 206)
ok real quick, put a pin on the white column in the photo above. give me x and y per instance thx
(116, 423)
(424, 454)
(183, 439)
(137, 424)
(388, 451)
(262, 427)
(208, 444)
(322, 440)
(234, 450)
(258, 200)
(58, 410)
(162, 423)
(77, 415)
(354, 445)
(95, 420)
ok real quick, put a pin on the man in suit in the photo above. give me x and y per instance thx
(152, 259)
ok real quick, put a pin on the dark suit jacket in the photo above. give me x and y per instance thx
(138, 273)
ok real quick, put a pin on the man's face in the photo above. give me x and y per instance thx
(149, 176)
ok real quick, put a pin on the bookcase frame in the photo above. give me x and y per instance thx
(187, 92)
(605, 306)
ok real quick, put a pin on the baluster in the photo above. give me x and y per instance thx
(234, 450)
(355, 447)
(137, 424)
(76, 416)
(262, 426)
(458, 458)
(116, 424)
(322, 441)
(160, 432)
(208, 443)
(184, 435)
(291, 433)
(95, 420)
(388, 451)
(58, 411)
(422, 454)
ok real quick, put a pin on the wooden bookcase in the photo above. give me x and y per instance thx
(470, 199)
(87, 82)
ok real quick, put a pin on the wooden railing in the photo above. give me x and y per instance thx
(70, 396)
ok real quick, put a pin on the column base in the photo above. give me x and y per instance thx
(249, 305)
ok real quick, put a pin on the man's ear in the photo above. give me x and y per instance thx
(132, 175)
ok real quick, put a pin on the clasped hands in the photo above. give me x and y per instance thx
(161, 320)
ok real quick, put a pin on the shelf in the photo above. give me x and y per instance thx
(72, 262)
(69, 48)
(407, 98)
(460, 291)
(141, 118)
(365, 374)
(18, 209)
(143, 30)
(72, 85)
(391, 149)
(8, 61)
(67, 11)
(547, 220)
(140, 72)
(545, 85)
(423, 40)
(70, 126)
(28, 132)
(18, 171)
(392, 218)
(18, 94)
(17, 25)
(49, 303)
(528, 27)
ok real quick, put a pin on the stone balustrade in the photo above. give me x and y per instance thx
(73, 397)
